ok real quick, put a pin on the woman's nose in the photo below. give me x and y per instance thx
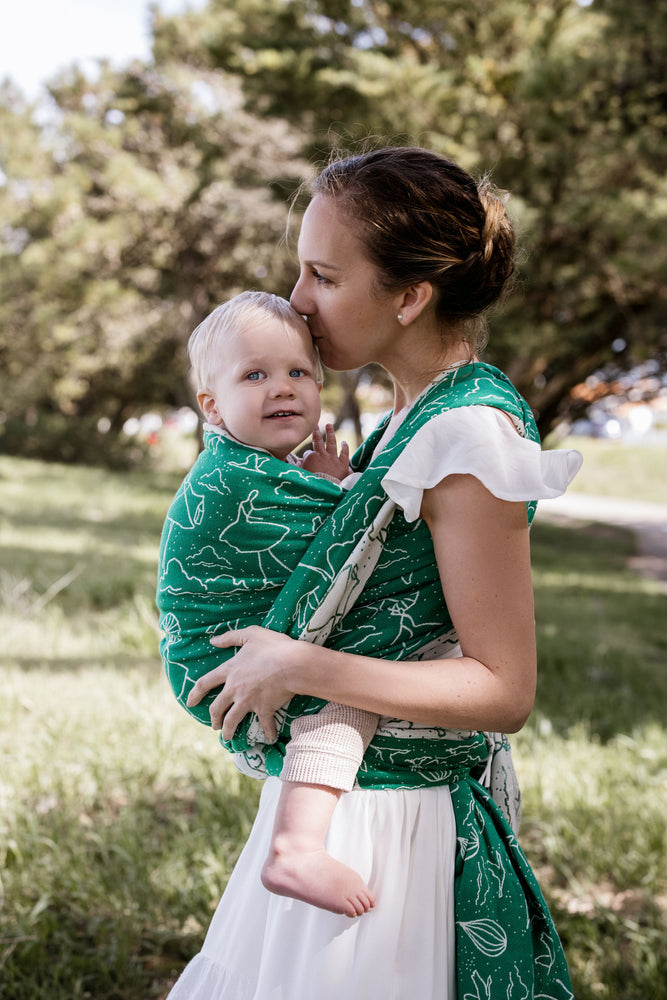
(298, 301)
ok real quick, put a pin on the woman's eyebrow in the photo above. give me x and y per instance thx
(322, 263)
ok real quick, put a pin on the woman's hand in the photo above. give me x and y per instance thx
(255, 679)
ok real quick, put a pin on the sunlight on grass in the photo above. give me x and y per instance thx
(594, 831)
(614, 469)
(121, 818)
(121, 821)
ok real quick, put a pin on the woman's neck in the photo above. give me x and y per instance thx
(412, 374)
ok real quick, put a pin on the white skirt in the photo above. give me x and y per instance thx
(265, 947)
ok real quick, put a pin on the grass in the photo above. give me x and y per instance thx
(614, 469)
(593, 761)
(120, 818)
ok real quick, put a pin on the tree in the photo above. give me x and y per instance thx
(566, 102)
(154, 197)
(155, 192)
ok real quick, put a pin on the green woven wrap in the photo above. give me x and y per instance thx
(367, 582)
(237, 527)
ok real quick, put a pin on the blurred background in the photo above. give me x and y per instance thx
(149, 155)
(136, 195)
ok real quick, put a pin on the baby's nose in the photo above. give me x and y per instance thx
(282, 387)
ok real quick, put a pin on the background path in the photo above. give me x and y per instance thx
(647, 520)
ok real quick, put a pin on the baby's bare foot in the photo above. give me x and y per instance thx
(314, 877)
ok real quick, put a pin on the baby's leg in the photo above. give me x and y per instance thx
(298, 865)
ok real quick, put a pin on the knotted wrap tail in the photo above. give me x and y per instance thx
(506, 942)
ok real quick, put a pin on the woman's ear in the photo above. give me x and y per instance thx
(209, 408)
(414, 300)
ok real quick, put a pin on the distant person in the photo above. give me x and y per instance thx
(240, 522)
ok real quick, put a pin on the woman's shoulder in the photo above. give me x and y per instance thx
(479, 440)
(478, 384)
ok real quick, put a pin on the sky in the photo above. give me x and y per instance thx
(39, 37)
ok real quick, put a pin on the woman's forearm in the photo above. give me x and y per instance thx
(459, 692)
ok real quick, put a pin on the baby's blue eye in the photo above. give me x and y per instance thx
(254, 376)
(296, 373)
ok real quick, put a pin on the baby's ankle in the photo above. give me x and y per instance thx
(286, 844)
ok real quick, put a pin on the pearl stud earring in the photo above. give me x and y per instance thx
(400, 317)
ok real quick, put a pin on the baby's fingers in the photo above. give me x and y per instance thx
(330, 444)
(318, 441)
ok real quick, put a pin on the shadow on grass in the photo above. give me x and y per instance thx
(112, 902)
(601, 638)
(101, 579)
(142, 522)
(119, 663)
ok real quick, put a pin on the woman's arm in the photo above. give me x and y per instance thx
(482, 550)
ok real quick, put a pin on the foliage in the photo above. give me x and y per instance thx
(120, 818)
(132, 226)
(136, 201)
(566, 103)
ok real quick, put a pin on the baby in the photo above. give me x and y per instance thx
(239, 524)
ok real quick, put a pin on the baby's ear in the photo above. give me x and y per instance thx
(209, 408)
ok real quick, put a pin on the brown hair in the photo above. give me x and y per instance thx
(422, 217)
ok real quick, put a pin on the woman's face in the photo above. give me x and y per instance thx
(352, 321)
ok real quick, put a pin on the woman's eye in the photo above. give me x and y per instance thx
(320, 277)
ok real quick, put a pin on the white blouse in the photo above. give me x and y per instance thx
(480, 441)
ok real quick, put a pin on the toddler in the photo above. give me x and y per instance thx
(240, 522)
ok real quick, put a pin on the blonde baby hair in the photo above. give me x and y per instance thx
(227, 320)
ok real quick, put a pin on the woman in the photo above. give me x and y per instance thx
(400, 254)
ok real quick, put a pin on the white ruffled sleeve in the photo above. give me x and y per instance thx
(480, 441)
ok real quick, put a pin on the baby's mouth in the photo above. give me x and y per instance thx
(282, 414)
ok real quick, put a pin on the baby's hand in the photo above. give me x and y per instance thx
(325, 457)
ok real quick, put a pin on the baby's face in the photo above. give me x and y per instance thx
(264, 389)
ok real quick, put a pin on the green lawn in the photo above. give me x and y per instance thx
(614, 469)
(120, 818)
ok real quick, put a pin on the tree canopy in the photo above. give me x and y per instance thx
(136, 201)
